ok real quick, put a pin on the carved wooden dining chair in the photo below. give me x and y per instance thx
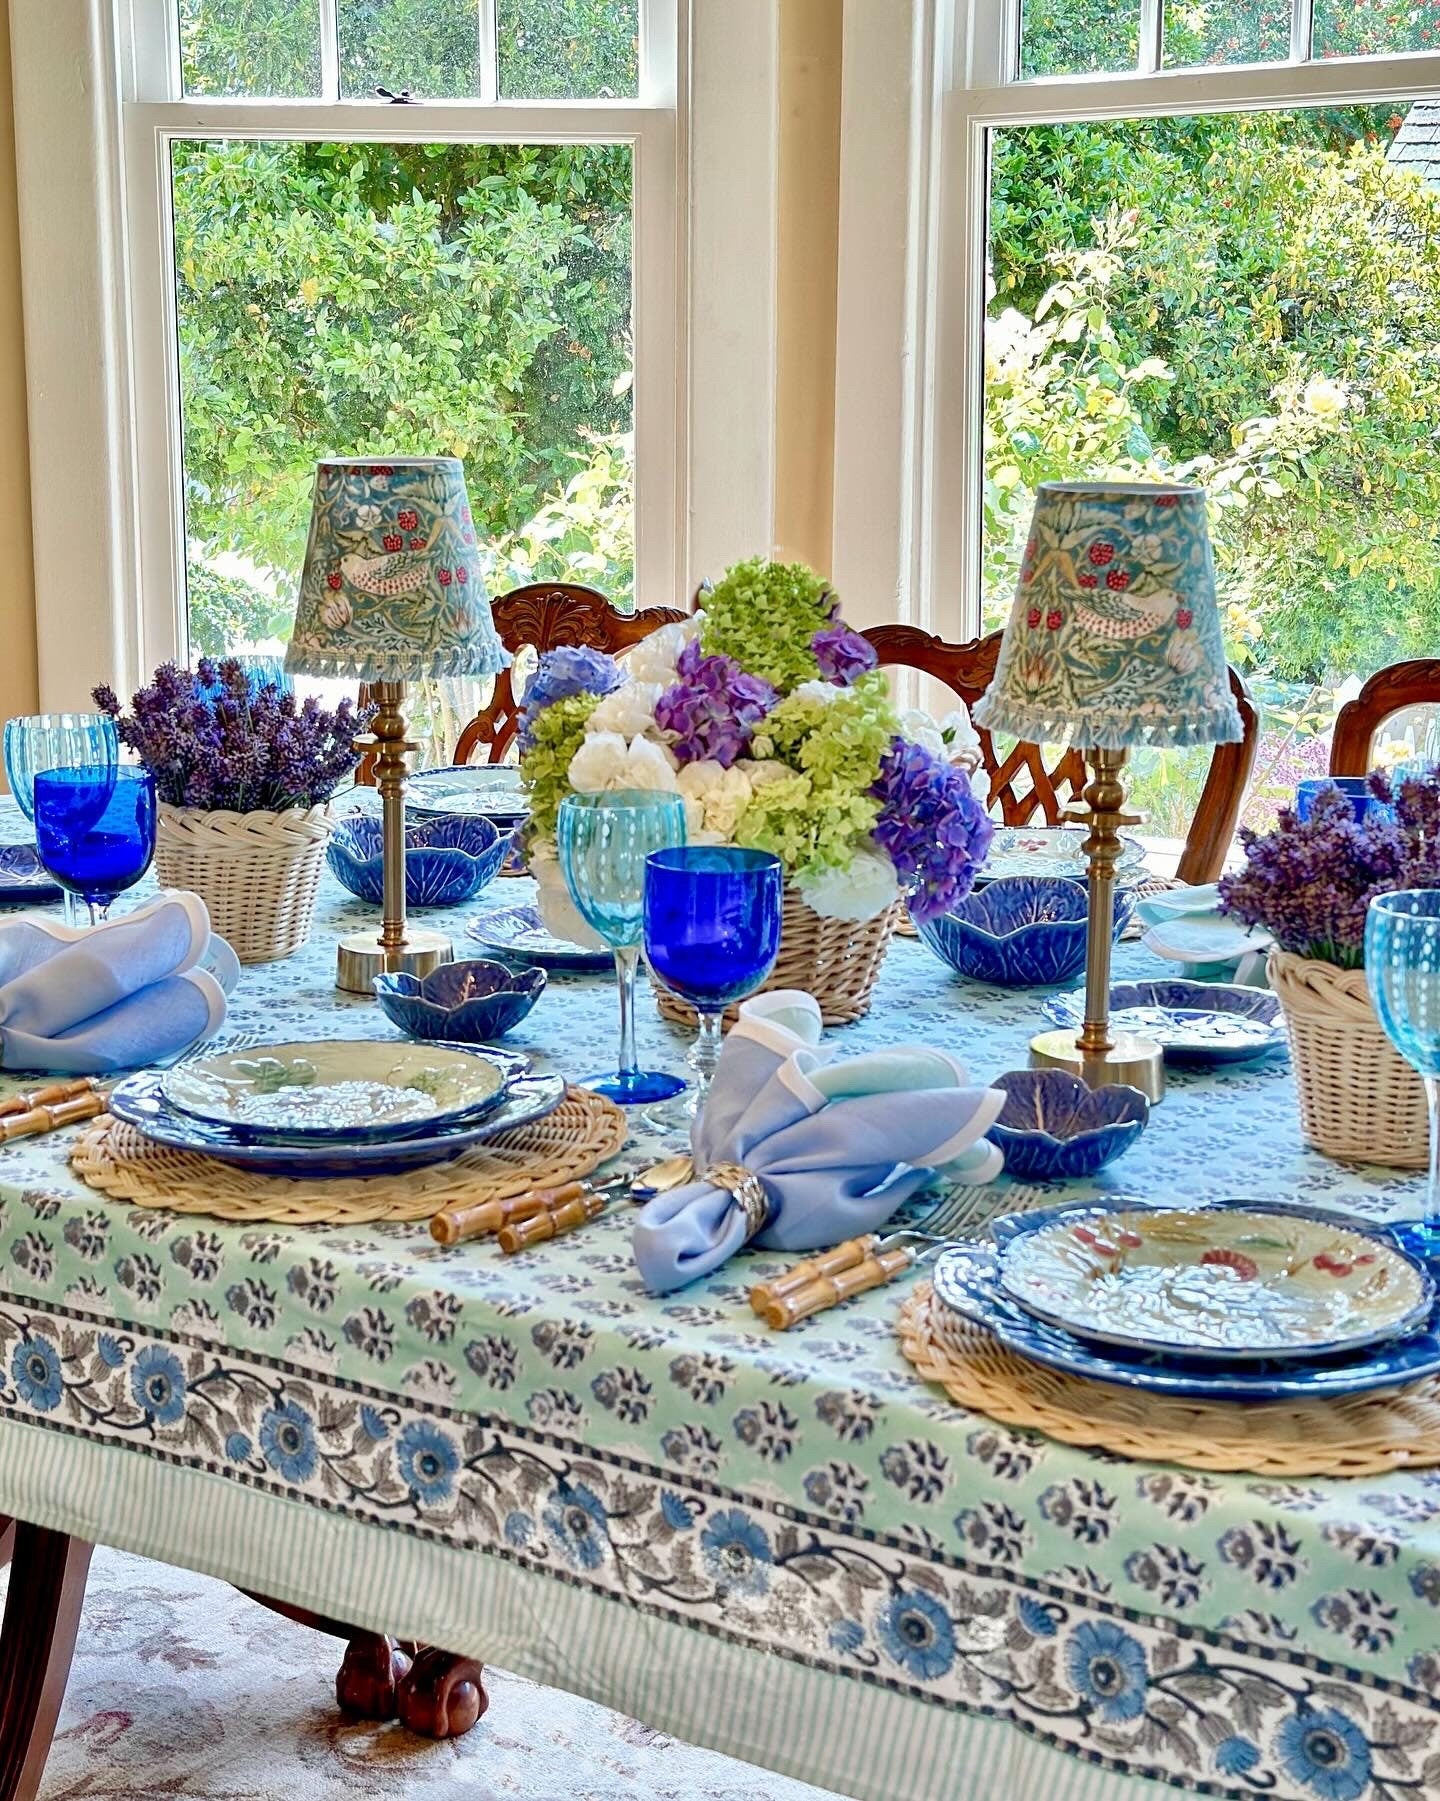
(545, 616)
(1390, 691)
(1021, 781)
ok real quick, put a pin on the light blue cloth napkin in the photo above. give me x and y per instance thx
(1186, 926)
(91, 1000)
(838, 1145)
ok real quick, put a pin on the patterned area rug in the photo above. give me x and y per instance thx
(184, 1690)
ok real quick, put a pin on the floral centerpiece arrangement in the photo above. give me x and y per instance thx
(1308, 883)
(244, 776)
(767, 715)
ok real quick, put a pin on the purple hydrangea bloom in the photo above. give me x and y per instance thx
(573, 669)
(844, 656)
(714, 708)
(1309, 884)
(215, 737)
(931, 827)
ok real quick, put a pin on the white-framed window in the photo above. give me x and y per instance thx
(267, 260)
(1024, 282)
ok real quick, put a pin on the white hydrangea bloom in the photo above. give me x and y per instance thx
(824, 692)
(651, 766)
(761, 771)
(599, 763)
(858, 892)
(630, 710)
(654, 658)
(552, 897)
(720, 794)
(918, 727)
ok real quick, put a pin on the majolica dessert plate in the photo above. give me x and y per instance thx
(1197, 1023)
(23, 877)
(1052, 850)
(967, 1279)
(1224, 1283)
(520, 932)
(334, 1088)
(492, 790)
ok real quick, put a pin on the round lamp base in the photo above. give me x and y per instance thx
(1134, 1061)
(360, 959)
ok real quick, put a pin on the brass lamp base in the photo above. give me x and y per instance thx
(361, 957)
(1132, 1060)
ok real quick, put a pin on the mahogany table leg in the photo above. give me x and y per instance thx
(368, 1681)
(7, 1540)
(37, 1642)
(443, 1695)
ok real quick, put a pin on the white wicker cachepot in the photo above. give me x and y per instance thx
(1359, 1098)
(256, 872)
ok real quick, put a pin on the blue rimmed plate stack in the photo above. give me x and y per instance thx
(1237, 1300)
(336, 1107)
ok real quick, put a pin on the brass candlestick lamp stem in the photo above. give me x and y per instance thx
(1099, 1056)
(363, 956)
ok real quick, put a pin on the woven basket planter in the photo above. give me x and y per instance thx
(1359, 1098)
(835, 960)
(256, 872)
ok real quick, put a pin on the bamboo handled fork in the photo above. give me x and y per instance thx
(860, 1264)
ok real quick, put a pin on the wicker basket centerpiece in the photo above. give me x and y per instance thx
(1359, 1098)
(257, 872)
(244, 778)
(769, 719)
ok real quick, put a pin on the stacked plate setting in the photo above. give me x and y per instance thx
(336, 1107)
(1235, 1301)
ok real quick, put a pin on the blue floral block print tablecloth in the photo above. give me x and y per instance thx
(786, 1546)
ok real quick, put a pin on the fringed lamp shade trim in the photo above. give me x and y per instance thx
(1114, 639)
(391, 588)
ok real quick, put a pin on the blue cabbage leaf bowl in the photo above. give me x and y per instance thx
(448, 858)
(1018, 931)
(460, 1003)
(1053, 1128)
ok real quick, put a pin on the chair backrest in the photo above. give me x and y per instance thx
(1023, 785)
(1389, 691)
(545, 616)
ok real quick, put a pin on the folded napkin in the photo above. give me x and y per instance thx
(1187, 926)
(90, 1000)
(836, 1146)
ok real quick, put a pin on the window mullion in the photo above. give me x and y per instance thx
(1302, 30)
(1152, 36)
(329, 50)
(489, 51)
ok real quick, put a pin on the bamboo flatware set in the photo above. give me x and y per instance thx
(523, 1220)
(47, 1109)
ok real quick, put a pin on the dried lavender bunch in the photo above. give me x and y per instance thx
(213, 740)
(1309, 884)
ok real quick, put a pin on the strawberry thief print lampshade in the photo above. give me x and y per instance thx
(1114, 638)
(391, 587)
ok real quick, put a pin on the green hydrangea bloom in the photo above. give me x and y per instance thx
(813, 819)
(557, 734)
(764, 615)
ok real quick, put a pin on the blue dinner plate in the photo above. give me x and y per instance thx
(968, 1280)
(138, 1102)
(1197, 1023)
(23, 877)
(520, 932)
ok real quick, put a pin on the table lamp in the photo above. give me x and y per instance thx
(1113, 642)
(391, 592)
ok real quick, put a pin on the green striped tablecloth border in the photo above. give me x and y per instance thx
(854, 1738)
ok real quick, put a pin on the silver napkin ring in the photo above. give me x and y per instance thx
(746, 1189)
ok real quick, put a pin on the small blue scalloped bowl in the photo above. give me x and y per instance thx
(1018, 931)
(448, 859)
(1053, 1128)
(460, 1003)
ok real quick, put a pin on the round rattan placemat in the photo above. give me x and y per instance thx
(1341, 1435)
(569, 1143)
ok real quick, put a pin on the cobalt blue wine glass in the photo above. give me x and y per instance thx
(95, 829)
(1402, 971)
(712, 934)
(603, 840)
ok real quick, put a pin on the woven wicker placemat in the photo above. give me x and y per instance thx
(1341, 1435)
(569, 1143)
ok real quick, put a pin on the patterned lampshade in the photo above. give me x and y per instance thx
(1114, 638)
(391, 590)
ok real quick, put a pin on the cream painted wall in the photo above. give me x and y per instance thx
(18, 686)
(808, 237)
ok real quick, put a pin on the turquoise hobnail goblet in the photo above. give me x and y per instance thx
(603, 840)
(1402, 971)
